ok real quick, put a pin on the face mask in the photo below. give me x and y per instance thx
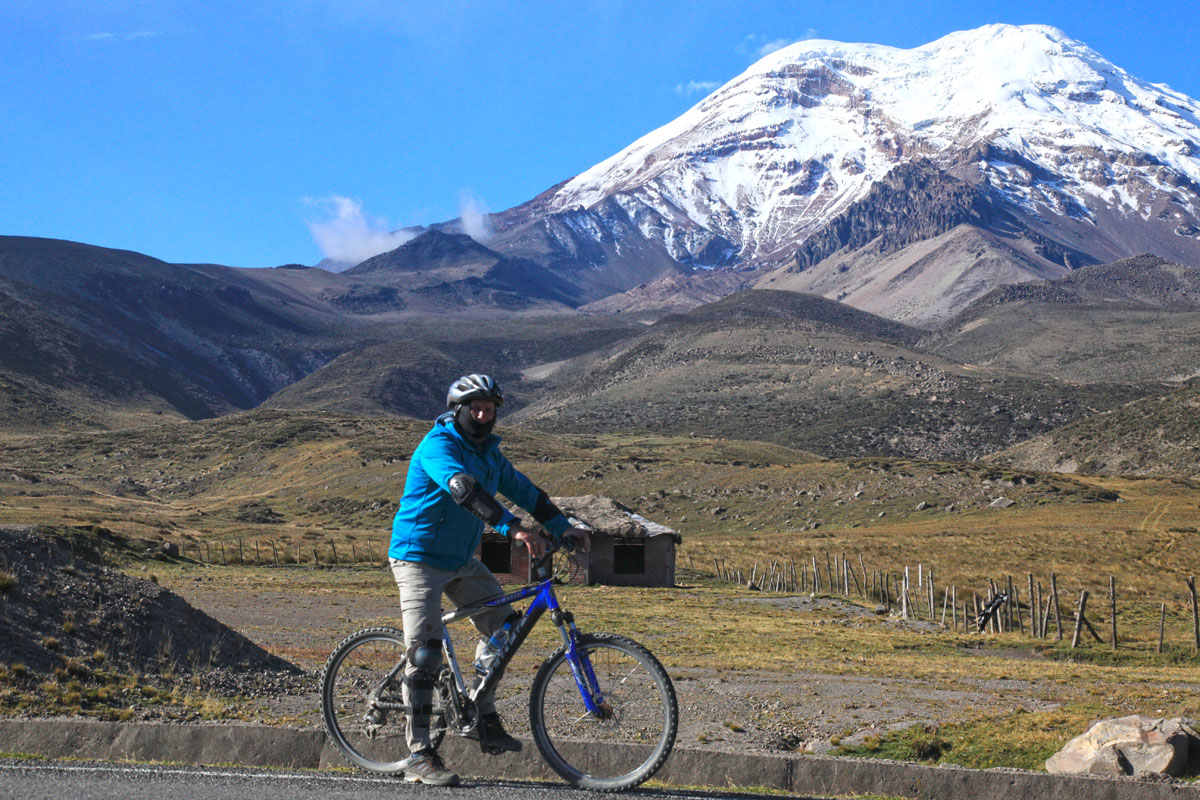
(476, 431)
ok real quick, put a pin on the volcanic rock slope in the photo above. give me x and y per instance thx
(1053, 157)
(1134, 320)
(1153, 436)
(807, 372)
(91, 335)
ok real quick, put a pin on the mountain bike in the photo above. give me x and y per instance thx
(602, 709)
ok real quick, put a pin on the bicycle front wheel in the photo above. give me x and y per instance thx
(633, 735)
(361, 699)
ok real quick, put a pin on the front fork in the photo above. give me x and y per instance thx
(581, 667)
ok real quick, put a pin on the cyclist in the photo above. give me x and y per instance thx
(448, 496)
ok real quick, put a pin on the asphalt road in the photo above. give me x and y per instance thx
(50, 780)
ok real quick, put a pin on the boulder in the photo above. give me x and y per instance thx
(1133, 745)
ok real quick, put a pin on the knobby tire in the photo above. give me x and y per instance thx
(355, 668)
(627, 748)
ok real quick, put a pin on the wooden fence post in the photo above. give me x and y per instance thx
(1079, 618)
(1033, 609)
(1054, 598)
(932, 596)
(241, 553)
(997, 622)
(1162, 624)
(274, 553)
(1191, 582)
(1112, 600)
(1012, 604)
(224, 563)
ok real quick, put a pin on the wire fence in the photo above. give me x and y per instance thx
(1032, 607)
(270, 552)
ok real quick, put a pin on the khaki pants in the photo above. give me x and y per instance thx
(421, 589)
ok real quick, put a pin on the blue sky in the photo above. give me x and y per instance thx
(229, 132)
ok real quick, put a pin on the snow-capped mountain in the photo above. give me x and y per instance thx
(1067, 150)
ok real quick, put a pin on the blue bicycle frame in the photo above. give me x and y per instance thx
(544, 600)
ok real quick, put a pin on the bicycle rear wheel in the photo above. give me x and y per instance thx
(360, 699)
(630, 741)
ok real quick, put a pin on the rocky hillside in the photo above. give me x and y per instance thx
(919, 247)
(439, 270)
(62, 607)
(1157, 436)
(1133, 320)
(97, 336)
(812, 374)
(92, 337)
(408, 374)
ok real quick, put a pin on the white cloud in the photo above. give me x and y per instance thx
(349, 236)
(759, 46)
(111, 37)
(767, 48)
(473, 216)
(695, 87)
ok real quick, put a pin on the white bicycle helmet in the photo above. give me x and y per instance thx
(474, 387)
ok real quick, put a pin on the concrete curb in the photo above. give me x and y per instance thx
(822, 776)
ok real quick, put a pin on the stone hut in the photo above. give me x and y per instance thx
(627, 548)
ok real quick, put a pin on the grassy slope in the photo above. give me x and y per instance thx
(293, 476)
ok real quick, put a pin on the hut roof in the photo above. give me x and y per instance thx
(605, 515)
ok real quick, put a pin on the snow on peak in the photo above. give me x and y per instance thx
(806, 130)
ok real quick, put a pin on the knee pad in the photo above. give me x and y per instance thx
(426, 658)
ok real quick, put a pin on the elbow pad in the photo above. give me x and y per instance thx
(465, 491)
(545, 511)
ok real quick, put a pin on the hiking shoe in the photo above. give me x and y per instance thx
(495, 737)
(427, 767)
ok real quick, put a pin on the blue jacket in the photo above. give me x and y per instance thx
(430, 528)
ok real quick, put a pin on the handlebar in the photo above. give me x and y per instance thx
(542, 565)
